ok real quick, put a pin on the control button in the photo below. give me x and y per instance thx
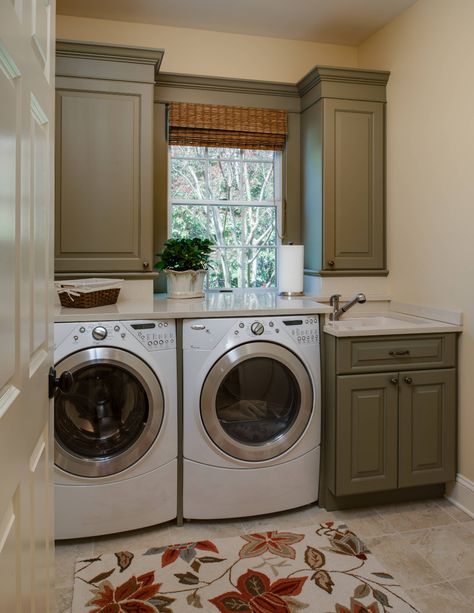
(123, 335)
(150, 343)
(236, 332)
(155, 342)
(257, 328)
(305, 321)
(116, 328)
(277, 330)
(165, 324)
(166, 341)
(161, 341)
(76, 338)
(271, 324)
(82, 329)
(99, 333)
(299, 338)
(160, 325)
(241, 325)
(171, 341)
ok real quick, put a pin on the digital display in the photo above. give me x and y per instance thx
(293, 322)
(143, 326)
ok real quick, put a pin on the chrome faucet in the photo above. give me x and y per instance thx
(338, 311)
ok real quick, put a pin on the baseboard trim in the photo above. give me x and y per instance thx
(461, 494)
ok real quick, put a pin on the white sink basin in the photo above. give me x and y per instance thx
(384, 323)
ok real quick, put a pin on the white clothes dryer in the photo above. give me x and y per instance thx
(115, 428)
(252, 415)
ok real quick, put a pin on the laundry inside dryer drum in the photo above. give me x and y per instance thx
(104, 413)
(258, 401)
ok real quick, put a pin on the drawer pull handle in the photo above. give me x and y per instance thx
(398, 353)
(408, 380)
(394, 380)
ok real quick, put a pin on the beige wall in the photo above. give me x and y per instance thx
(429, 50)
(201, 52)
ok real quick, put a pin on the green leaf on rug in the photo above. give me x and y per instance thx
(383, 575)
(382, 598)
(161, 603)
(210, 559)
(362, 590)
(194, 599)
(323, 580)
(314, 558)
(187, 578)
(101, 576)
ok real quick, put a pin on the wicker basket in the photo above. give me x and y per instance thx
(82, 294)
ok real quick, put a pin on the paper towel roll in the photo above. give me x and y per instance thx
(290, 269)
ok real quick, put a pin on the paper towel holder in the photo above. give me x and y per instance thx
(291, 294)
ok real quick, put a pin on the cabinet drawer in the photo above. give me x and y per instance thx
(369, 354)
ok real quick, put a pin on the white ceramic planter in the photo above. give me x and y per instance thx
(186, 283)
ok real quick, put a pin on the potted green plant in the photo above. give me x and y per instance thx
(185, 262)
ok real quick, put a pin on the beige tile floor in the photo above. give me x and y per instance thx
(428, 545)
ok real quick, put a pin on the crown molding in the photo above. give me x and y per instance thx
(113, 53)
(330, 74)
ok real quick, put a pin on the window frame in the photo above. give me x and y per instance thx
(277, 205)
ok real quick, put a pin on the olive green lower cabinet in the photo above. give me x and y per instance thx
(388, 435)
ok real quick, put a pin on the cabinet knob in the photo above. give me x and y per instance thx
(394, 380)
(146, 264)
(408, 380)
(330, 262)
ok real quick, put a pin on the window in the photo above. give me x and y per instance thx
(231, 196)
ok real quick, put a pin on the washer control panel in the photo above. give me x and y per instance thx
(153, 335)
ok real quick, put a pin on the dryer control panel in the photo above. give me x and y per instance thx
(301, 329)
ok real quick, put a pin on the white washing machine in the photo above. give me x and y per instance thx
(252, 415)
(115, 426)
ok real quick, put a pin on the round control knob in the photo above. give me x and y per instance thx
(99, 333)
(257, 328)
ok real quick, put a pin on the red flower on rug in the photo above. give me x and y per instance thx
(274, 542)
(185, 551)
(257, 595)
(128, 597)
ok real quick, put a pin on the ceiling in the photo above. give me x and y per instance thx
(344, 22)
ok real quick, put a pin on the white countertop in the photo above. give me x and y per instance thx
(214, 304)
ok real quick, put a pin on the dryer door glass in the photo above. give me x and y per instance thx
(110, 417)
(256, 401)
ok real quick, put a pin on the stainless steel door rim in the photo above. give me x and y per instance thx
(88, 467)
(224, 365)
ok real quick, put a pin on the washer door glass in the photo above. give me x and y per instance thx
(256, 401)
(110, 417)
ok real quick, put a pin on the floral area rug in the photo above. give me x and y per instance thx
(320, 569)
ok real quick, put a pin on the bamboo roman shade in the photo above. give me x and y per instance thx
(212, 125)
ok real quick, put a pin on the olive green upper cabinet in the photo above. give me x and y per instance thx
(104, 157)
(343, 171)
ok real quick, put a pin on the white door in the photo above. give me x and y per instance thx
(26, 203)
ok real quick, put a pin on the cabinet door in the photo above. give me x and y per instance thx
(103, 176)
(366, 433)
(353, 159)
(427, 425)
